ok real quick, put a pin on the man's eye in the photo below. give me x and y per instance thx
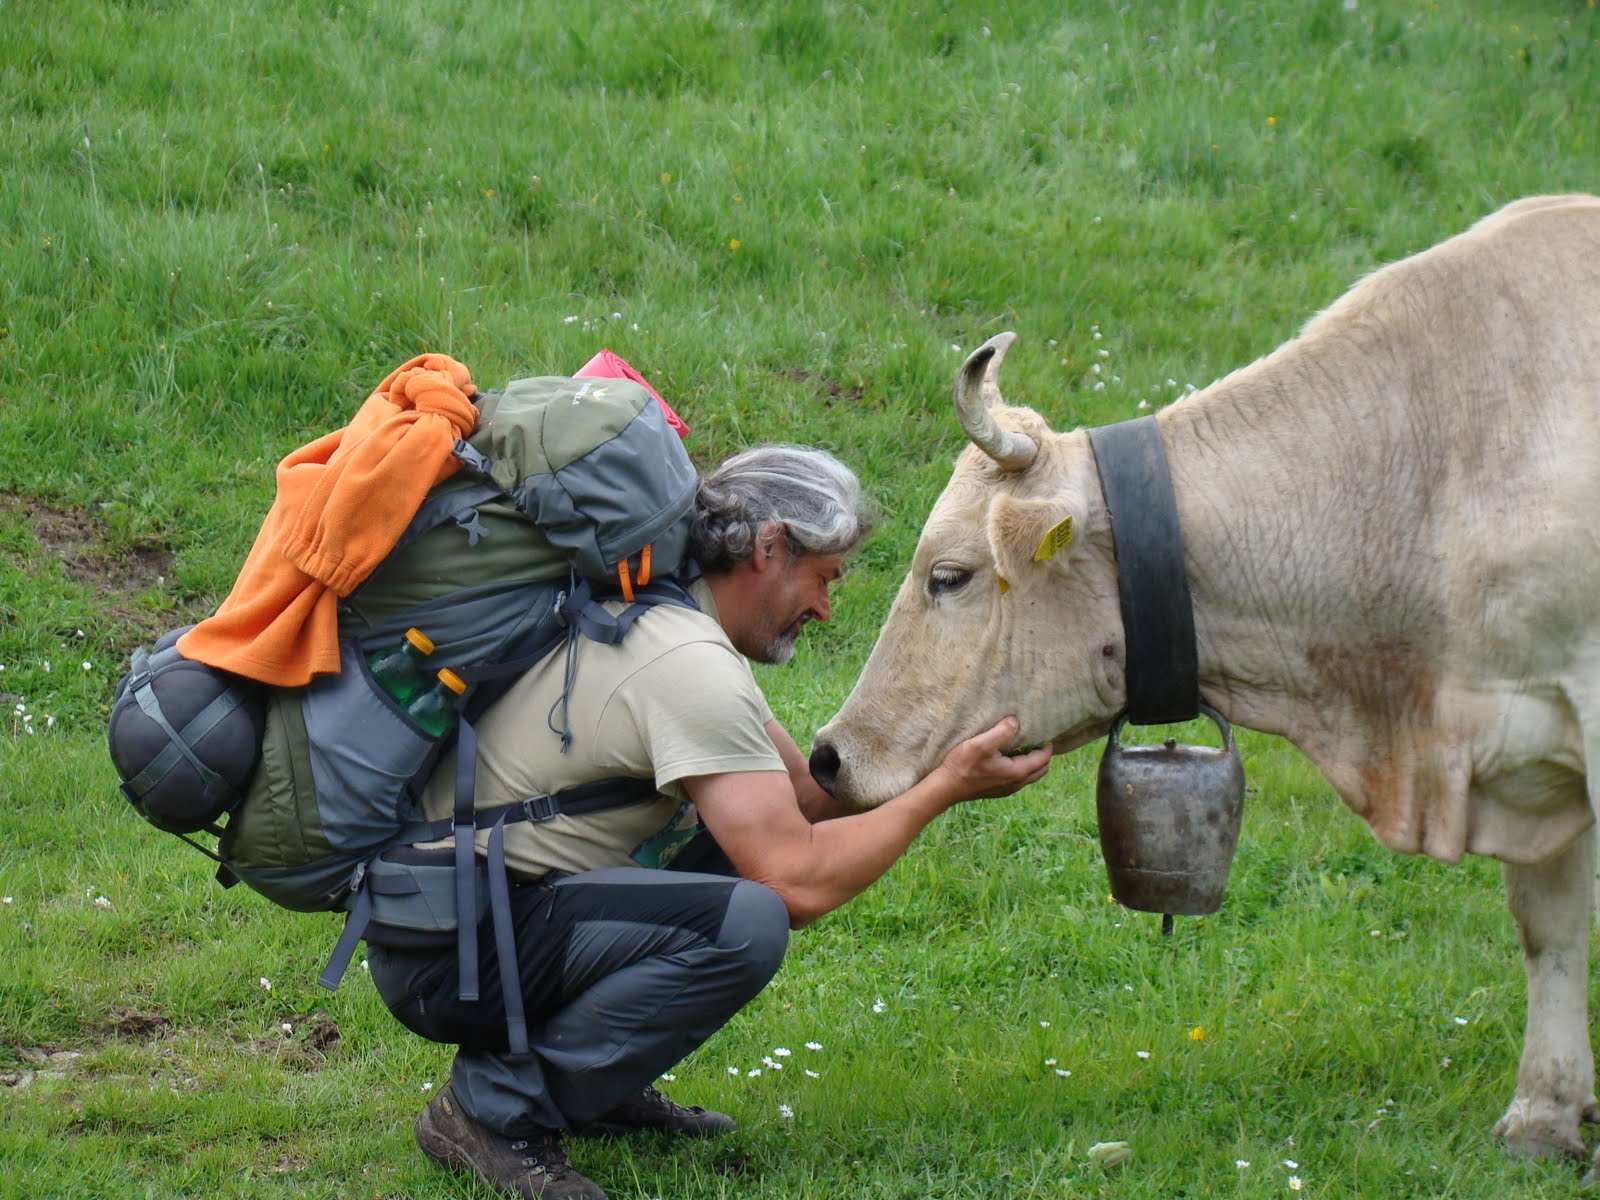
(943, 580)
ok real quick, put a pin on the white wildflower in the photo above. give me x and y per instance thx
(1461, 1020)
(287, 1028)
(781, 1052)
(810, 1074)
(669, 1078)
(1291, 1164)
(813, 1045)
(1294, 1183)
(428, 1086)
(733, 1070)
(878, 1005)
(752, 1072)
(1241, 1163)
(785, 1112)
(1142, 1053)
(266, 984)
(87, 665)
(1044, 1024)
(101, 902)
(1062, 1072)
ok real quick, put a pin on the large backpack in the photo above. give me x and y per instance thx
(575, 492)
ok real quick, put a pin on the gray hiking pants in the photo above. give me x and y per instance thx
(624, 971)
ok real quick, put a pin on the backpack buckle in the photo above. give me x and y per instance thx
(471, 457)
(542, 807)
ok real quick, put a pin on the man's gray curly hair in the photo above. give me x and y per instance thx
(814, 496)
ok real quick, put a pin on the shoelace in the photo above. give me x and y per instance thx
(553, 1163)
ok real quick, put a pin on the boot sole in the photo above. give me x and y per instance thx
(597, 1129)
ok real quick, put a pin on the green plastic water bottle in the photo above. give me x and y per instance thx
(399, 670)
(435, 708)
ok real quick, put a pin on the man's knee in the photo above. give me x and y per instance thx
(758, 922)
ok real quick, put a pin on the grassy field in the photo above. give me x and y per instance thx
(222, 224)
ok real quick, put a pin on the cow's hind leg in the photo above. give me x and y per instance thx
(1552, 903)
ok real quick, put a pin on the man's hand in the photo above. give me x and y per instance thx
(979, 769)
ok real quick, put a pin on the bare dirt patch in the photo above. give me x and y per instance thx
(115, 576)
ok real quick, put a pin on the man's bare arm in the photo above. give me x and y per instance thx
(756, 818)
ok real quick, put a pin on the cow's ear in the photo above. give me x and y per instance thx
(1026, 533)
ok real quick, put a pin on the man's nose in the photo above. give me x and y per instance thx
(823, 608)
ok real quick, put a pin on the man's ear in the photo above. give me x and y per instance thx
(1024, 535)
(771, 550)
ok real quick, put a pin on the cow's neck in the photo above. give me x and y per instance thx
(1303, 505)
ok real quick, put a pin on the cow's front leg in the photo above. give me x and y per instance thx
(1552, 903)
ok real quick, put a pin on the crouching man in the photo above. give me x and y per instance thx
(630, 955)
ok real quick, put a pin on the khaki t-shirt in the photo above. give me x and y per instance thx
(673, 700)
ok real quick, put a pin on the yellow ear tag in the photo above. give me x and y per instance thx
(1055, 539)
(1004, 586)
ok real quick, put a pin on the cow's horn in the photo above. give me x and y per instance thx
(977, 389)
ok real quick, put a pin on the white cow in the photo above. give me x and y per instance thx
(1391, 529)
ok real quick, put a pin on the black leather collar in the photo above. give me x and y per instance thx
(1157, 614)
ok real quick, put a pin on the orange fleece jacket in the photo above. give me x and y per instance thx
(343, 501)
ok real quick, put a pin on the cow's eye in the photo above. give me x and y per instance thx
(943, 580)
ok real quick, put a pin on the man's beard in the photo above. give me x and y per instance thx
(780, 647)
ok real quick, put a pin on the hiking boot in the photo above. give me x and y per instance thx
(648, 1109)
(533, 1167)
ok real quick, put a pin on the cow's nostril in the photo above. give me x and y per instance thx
(825, 766)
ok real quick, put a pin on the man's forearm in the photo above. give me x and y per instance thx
(849, 852)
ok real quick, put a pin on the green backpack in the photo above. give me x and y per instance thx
(575, 492)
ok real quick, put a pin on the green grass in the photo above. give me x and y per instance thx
(221, 225)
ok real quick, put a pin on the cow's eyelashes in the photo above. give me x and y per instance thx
(944, 580)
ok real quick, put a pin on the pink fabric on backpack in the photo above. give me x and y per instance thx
(607, 365)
